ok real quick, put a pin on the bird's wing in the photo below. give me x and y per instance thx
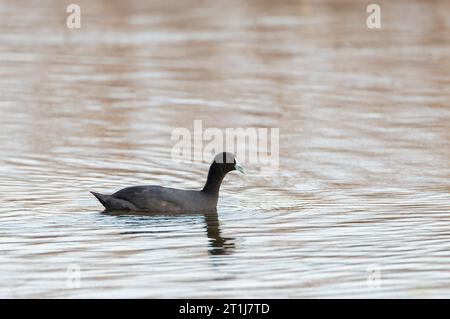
(150, 197)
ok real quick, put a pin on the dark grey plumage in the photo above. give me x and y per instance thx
(159, 199)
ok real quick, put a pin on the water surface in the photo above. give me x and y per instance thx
(364, 172)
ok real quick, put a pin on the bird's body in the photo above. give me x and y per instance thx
(160, 199)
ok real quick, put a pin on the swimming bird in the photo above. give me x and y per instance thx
(158, 199)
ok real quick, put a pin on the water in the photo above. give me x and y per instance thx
(362, 192)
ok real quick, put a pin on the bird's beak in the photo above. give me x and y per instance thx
(239, 167)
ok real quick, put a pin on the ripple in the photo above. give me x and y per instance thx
(364, 169)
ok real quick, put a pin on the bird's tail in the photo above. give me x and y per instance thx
(101, 198)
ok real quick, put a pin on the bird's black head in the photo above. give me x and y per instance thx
(227, 162)
(222, 164)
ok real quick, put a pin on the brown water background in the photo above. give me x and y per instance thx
(364, 121)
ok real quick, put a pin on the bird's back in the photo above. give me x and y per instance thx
(164, 199)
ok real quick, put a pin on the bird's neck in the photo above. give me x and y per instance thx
(214, 180)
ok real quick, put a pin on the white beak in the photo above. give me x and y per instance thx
(239, 167)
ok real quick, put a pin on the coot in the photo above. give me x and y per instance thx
(160, 199)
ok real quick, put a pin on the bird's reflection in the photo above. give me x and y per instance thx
(217, 244)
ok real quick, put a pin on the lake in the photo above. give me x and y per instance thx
(359, 205)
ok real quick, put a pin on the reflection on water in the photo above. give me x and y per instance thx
(217, 245)
(364, 122)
